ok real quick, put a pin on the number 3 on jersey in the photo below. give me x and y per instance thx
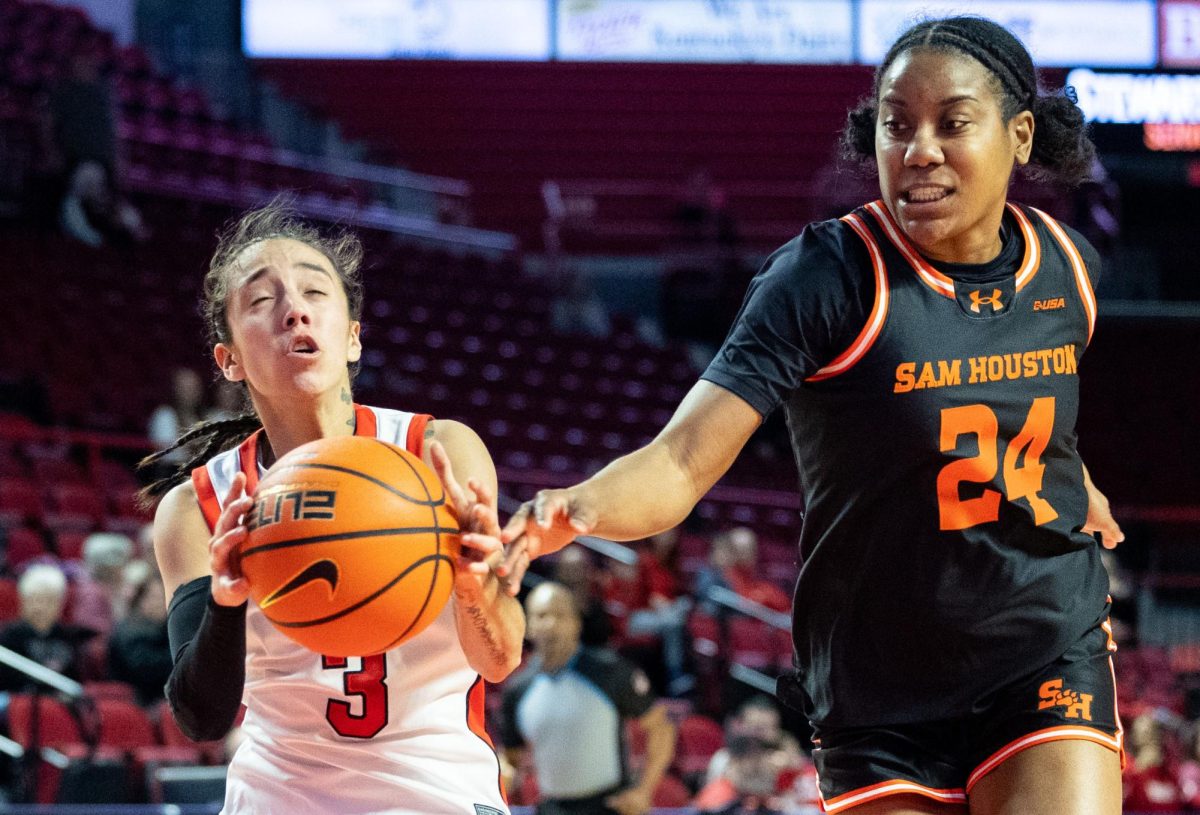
(369, 684)
(1023, 466)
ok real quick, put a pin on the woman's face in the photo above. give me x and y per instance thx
(945, 153)
(290, 330)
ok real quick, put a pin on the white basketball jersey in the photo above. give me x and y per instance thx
(401, 732)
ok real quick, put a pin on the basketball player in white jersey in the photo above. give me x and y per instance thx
(401, 732)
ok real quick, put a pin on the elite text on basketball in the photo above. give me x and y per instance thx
(306, 505)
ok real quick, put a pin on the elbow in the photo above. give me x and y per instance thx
(200, 728)
(498, 669)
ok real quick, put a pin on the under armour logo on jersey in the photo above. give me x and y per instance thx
(993, 300)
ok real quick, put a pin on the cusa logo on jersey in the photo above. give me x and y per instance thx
(293, 504)
(979, 299)
(1050, 304)
(1077, 705)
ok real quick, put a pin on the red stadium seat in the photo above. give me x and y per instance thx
(699, 737)
(109, 689)
(10, 603)
(671, 793)
(56, 724)
(22, 498)
(22, 544)
(123, 724)
(78, 499)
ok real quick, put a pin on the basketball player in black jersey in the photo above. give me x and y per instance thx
(950, 619)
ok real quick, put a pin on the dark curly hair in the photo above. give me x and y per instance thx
(278, 219)
(1061, 147)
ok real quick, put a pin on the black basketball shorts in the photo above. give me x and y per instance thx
(1072, 698)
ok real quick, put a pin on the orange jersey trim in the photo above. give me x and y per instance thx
(885, 788)
(248, 461)
(206, 494)
(1062, 733)
(1082, 281)
(875, 320)
(415, 441)
(930, 276)
(365, 423)
(1033, 248)
(939, 282)
(476, 716)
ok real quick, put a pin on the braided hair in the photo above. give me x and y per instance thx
(278, 219)
(1061, 147)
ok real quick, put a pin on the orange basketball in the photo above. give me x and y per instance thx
(351, 546)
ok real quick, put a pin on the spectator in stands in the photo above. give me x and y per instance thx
(94, 214)
(733, 565)
(169, 421)
(83, 114)
(570, 707)
(41, 634)
(99, 600)
(759, 718)
(1189, 767)
(138, 650)
(84, 126)
(576, 570)
(647, 601)
(1150, 783)
(748, 784)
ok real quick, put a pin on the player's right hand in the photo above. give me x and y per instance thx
(546, 524)
(229, 586)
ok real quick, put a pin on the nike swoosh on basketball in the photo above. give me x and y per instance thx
(325, 570)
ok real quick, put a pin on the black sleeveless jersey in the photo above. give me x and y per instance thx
(942, 551)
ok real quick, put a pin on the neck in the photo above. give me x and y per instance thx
(556, 656)
(288, 426)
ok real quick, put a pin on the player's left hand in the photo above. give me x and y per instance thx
(1099, 517)
(632, 801)
(475, 508)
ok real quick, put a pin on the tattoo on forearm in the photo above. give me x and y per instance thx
(480, 621)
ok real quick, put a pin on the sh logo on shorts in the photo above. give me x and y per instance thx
(1078, 705)
(978, 299)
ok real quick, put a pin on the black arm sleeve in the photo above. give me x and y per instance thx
(208, 644)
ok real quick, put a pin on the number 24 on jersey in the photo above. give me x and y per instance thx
(1023, 468)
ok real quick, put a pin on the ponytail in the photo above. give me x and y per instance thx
(1061, 147)
(208, 438)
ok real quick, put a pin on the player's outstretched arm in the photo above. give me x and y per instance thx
(491, 623)
(642, 493)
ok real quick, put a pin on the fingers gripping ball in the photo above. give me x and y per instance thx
(351, 546)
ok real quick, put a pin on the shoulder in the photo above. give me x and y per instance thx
(180, 536)
(450, 431)
(824, 248)
(1091, 258)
